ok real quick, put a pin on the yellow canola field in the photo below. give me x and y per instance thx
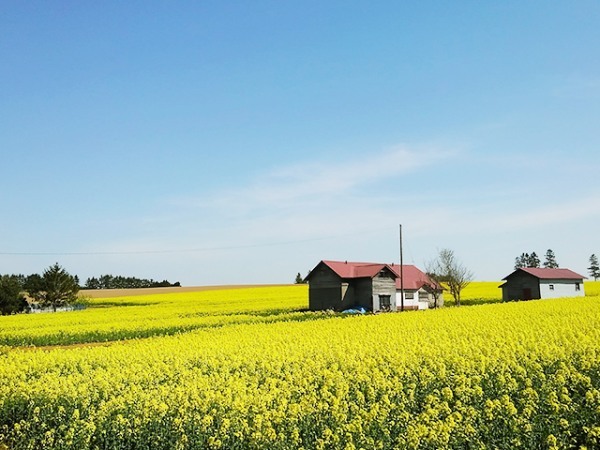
(505, 376)
(592, 288)
(134, 317)
(110, 319)
(477, 293)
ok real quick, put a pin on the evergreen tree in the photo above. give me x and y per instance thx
(534, 261)
(594, 268)
(518, 263)
(550, 262)
(57, 288)
(527, 260)
(522, 261)
(299, 279)
(11, 299)
(92, 283)
(33, 283)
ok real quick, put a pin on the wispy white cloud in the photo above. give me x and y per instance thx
(297, 214)
(320, 181)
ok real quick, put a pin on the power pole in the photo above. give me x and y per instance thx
(401, 273)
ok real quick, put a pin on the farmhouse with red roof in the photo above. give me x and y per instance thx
(341, 285)
(420, 291)
(533, 282)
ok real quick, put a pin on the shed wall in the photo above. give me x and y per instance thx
(421, 299)
(562, 288)
(324, 290)
(363, 289)
(519, 285)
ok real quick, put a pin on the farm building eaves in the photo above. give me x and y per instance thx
(413, 278)
(549, 274)
(345, 269)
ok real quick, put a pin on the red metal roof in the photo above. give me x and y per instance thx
(551, 274)
(345, 269)
(413, 277)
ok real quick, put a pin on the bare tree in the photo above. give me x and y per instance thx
(431, 284)
(450, 273)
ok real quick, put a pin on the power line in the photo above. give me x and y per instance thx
(150, 252)
(189, 250)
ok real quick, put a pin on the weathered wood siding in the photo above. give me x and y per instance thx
(518, 285)
(384, 284)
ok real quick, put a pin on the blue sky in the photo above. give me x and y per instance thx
(242, 142)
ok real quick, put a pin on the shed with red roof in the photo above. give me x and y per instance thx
(529, 283)
(341, 285)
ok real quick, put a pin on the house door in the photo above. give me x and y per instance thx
(526, 293)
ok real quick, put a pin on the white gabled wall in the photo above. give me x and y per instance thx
(410, 303)
(561, 289)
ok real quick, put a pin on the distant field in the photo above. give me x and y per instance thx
(477, 293)
(108, 293)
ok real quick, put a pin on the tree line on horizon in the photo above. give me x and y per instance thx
(121, 282)
(57, 288)
(53, 289)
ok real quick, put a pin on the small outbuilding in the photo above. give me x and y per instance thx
(529, 283)
(341, 285)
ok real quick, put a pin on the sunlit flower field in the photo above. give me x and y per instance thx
(251, 369)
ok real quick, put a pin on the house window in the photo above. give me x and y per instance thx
(383, 274)
(385, 302)
(551, 287)
(577, 287)
(423, 295)
(409, 295)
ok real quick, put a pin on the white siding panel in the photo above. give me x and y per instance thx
(561, 289)
(409, 303)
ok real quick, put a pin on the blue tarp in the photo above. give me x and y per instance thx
(360, 310)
